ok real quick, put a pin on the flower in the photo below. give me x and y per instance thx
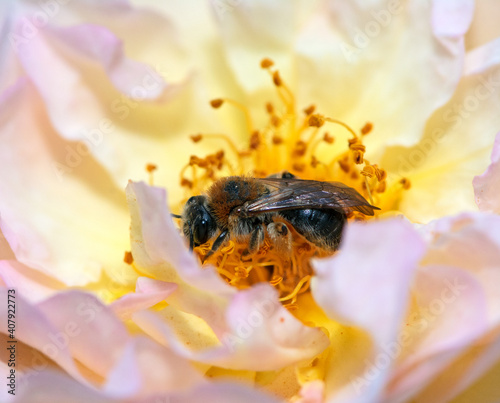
(81, 116)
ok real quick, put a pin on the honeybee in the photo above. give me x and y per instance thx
(246, 209)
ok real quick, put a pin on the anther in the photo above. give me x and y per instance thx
(216, 103)
(368, 170)
(300, 149)
(128, 258)
(277, 79)
(316, 120)
(275, 121)
(381, 187)
(277, 140)
(298, 167)
(266, 63)
(196, 138)
(255, 140)
(327, 138)
(186, 183)
(344, 165)
(406, 183)
(269, 108)
(367, 128)
(310, 110)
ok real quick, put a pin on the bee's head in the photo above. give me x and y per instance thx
(198, 224)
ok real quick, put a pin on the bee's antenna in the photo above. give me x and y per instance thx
(175, 215)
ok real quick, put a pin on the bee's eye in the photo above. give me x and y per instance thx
(201, 232)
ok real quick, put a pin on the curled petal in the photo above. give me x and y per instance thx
(261, 335)
(367, 285)
(148, 293)
(40, 199)
(456, 284)
(487, 185)
(442, 166)
(93, 334)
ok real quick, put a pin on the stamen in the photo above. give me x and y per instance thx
(368, 190)
(217, 103)
(284, 143)
(297, 288)
(151, 168)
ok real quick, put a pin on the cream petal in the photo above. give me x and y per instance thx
(487, 185)
(357, 62)
(251, 31)
(366, 284)
(455, 147)
(61, 214)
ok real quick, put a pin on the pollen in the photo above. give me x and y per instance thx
(305, 143)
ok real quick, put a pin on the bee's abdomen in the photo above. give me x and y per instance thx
(322, 227)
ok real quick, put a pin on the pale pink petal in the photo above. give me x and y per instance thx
(312, 392)
(30, 284)
(160, 252)
(101, 46)
(148, 368)
(261, 335)
(34, 329)
(88, 328)
(487, 185)
(54, 387)
(366, 284)
(435, 334)
(457, 285)
(79, 52)
(67, 221)
(148, 293)
(224, 392)
(463, 372)
(452, 18)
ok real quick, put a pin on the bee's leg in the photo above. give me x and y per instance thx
(256, 240)
(281, 236)
(217, 244)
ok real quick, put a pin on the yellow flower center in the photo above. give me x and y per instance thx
(291, 142)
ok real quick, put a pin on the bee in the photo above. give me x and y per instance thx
(246, 209)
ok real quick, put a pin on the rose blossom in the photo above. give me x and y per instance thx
(384, 318)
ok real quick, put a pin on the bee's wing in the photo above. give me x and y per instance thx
(292, 193)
